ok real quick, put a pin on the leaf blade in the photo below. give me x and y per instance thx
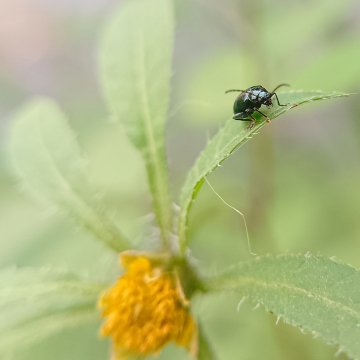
(135, 68)
(37, 303)
(228, 140)
(314, 293)
(52, 167)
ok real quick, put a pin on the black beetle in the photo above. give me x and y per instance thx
(250, 100)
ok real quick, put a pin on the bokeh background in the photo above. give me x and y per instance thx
(297, 182)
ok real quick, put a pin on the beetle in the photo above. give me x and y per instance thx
(250, 100)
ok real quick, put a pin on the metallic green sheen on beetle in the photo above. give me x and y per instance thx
(250, 100)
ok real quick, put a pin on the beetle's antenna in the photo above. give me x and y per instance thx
(237, 211)
(279, 86)
(233, 90)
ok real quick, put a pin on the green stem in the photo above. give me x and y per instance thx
(158, 181)
(205, 349)
(156, 164)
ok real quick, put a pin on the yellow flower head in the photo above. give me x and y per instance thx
(146, 309)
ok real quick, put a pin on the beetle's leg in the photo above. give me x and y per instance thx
(252, 123)
(274, 93)
(277, 99)
(240, 116)
(265, 116)
(236, 116)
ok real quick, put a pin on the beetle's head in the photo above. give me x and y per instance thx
(268, 102)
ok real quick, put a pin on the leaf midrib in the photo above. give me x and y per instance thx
(79, 287)
(83, 206)
(69, 318)
(160, 184)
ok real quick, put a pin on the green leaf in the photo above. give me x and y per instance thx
(226, 141)
(36, 303)
(48, 159)
(135, 64)
(316, 294)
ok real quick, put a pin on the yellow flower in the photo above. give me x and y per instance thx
(146, 309)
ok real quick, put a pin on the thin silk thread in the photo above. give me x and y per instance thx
(237, 211)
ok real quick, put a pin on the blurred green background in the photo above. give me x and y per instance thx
(297, 183)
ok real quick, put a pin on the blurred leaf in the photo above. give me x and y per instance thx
(135, 64)
(316, 294)
(48, 159)
(109, 152)
(334, 68)
(229, 139)
(80, 342)
(36, 303)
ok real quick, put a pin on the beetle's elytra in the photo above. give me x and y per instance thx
(250, 100)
